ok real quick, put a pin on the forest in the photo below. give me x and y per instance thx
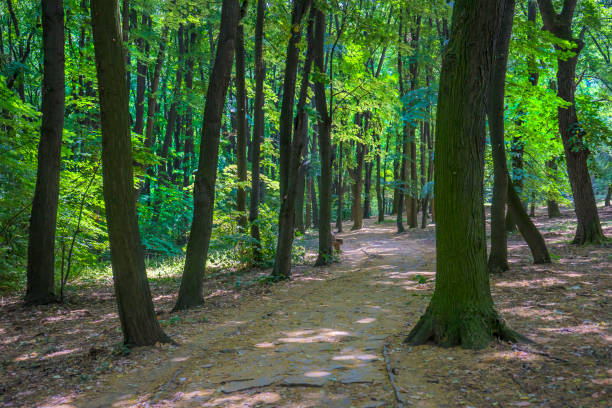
(305, 203)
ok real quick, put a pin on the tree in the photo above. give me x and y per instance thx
(258, 130)
(498, 258)
(572, 133)
(190, 292)
(461, 311)
(138, 320)
(41, 243)
(241, 121)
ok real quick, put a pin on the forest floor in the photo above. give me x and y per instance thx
(331, 337)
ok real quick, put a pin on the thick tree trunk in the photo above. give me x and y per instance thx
(190, 293)
(291, 166)
(241, 124)
(138, 319)
(258, 131)
(40, 287)
(576, 153)
(498, 257)
(461, 311)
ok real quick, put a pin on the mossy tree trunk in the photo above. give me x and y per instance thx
(461, 311)
(138, 320)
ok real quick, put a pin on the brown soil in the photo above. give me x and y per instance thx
(330, 337)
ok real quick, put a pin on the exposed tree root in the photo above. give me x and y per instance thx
(469, 329)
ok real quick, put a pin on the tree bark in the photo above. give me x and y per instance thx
(293, 167)
(141, 78)
(576, 153)
(340, 209)
(258, 131)
(138, 320)
(190, 293)
(461, 311)
(528, 230)
(241, 124)
(498, 257)
(40, 286)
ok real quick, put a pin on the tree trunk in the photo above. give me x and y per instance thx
(552, 205)
(258, 131)
(299, 205)
(357, 176)
(528, 230)
(138, 320)
(608, 196)
(291, 166)
(190, 293)
(141, 78)
(498, 257)
(241, 124)
(576, 153)
(461, 311)
(40, 287)
(340, 215)
(189, 146)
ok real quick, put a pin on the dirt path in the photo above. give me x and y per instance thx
(316, 341)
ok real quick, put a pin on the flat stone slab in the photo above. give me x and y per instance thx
(236, 386)
(364, 375)
(315, 379)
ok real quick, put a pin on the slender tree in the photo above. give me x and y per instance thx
(190, 292)
(41, 258)
(241, 121)
(461, 311)
(138, 320)
(258, 130)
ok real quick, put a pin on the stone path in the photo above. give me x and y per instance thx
(314, 342)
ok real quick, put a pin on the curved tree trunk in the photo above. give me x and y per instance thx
(138, 320)
(190, 292)
(461, 311)
(40, 287)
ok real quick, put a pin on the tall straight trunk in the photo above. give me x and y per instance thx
(498, 257)
(190, 293)
(357, 175)
(190, 44)
(340, 209)
(300, 8)
(173, 113)
(40, 285)
(299, 205)
(552, 205)
(367, 187)
(608, 196)
(125, 29)
(380, 188)
(141, 78)
(461, 311)
(138, 320)
(152, 104)
(400, 183)
(576, 153)
(241, 124)
(414, 80)
(258, 131)
(294, 167)
(426, 169)
(313, 192)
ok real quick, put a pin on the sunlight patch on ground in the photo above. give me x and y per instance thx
(366, 320)
(542, 314)
(312, 336)
(536, 283)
